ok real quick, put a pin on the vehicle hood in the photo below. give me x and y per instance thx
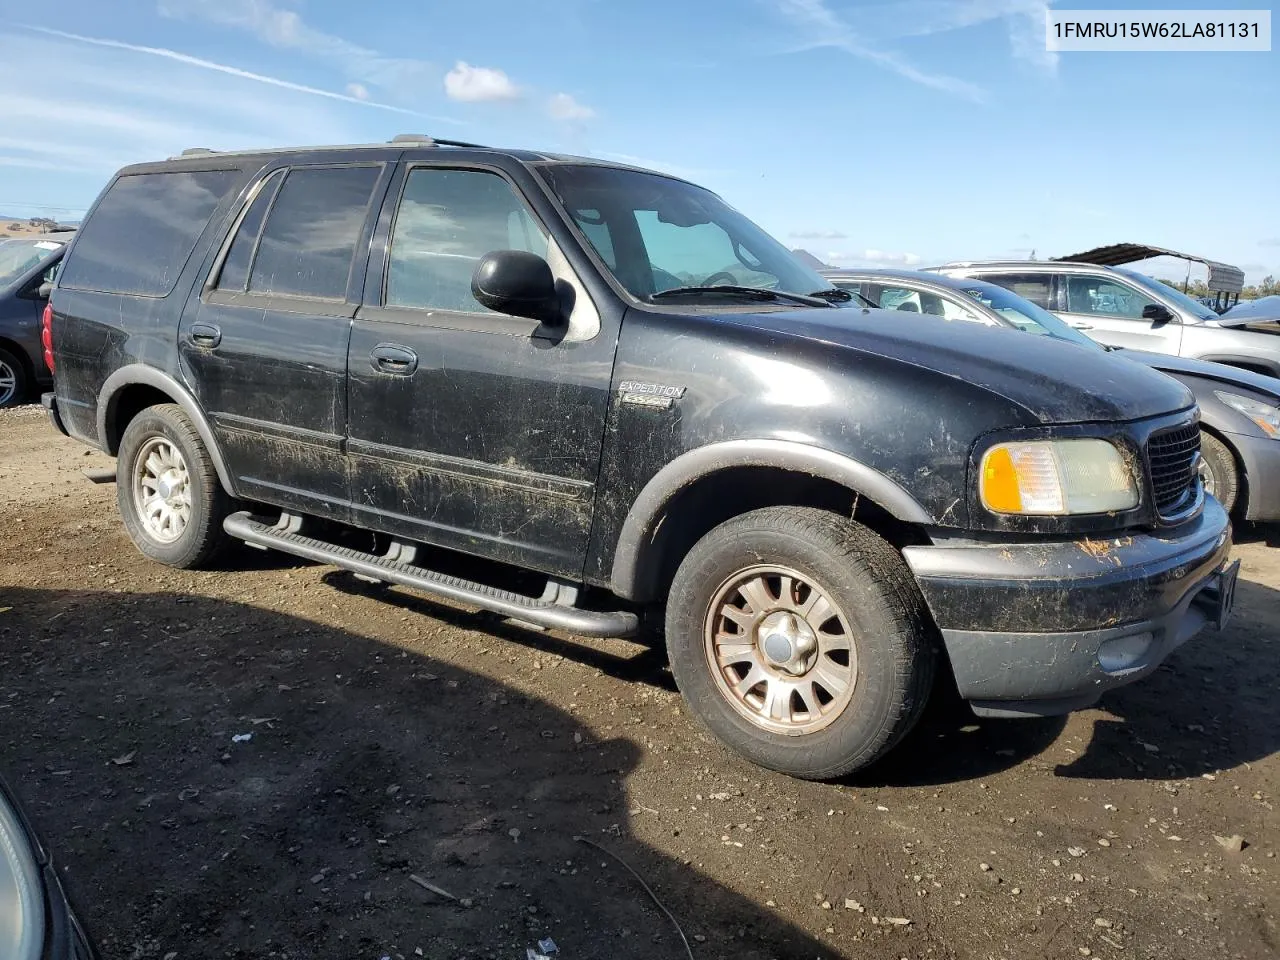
(1056, 382)
(1206, 370)
(1264, 310)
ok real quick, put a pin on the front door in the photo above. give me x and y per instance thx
(1110, 311)
(264, 343)
(470, 429)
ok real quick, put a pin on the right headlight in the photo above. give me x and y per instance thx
(21, 891)
(1265, 415)
(1056, 478)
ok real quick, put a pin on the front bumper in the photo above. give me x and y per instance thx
(1260, 457)
(1036, 629)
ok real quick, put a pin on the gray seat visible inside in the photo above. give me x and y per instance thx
(909, 306)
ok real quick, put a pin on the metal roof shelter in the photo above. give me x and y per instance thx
(1223, 277)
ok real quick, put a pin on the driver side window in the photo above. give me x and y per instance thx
(1102, 297)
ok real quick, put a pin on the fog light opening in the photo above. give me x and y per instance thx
(1124, 653)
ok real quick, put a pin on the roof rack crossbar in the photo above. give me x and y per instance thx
(423, 139)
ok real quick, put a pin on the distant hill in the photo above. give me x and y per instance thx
(23, 227)
(808, 259)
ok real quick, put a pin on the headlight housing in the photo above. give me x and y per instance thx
(22, 916)
(1056, 478)
(1265, 415)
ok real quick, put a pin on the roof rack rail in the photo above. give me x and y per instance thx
(196, 151)
(427, 141)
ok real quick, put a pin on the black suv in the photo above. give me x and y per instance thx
(611, 379)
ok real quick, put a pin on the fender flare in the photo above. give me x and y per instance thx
(137, 373)
(692, 466)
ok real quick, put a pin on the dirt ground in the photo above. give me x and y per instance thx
(389, 736)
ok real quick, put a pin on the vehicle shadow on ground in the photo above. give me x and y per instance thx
(366, 763)
(949, 744)
(1257, 532)
(1211, 706)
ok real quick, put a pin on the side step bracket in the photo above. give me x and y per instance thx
(549, 611)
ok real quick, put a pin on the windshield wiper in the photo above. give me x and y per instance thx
(733, 290)
(833, 295)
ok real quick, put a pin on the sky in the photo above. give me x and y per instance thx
(899, 134)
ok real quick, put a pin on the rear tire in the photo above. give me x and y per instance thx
(777, 594)
(14, 383)
(167, 489)
(1218, 471)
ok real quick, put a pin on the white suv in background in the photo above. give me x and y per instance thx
(1124, 308)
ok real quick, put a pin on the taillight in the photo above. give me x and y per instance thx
(46, 335)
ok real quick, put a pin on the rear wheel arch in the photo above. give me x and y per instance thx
(134, 388)
(709, 485)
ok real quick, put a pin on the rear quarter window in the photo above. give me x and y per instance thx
(143, 230)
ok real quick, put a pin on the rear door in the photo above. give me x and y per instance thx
(1109, 309)
(471, 429)
(263, 343)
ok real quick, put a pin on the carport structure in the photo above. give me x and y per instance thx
(1225, 281)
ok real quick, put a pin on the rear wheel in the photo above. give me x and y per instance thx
(800, 639)
(168, 491)
(1218, 471)
(13, 380)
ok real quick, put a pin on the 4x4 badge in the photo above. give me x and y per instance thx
(642, 394)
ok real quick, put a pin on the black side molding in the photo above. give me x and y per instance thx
(392, 568)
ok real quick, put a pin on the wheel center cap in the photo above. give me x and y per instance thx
(787, 641)
(167, 485)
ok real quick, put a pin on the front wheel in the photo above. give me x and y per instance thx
(801, 640)
(168, 491)
(1218, 471)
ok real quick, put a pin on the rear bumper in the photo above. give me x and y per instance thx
(1260, 457)
(1045, 628)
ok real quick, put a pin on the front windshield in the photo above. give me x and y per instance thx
(1193, 307)
(1024, 314)
(655, 233)
(20, 255)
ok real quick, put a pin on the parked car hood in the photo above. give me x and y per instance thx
(1221, 372)
(1263, 310)
(1055, 381)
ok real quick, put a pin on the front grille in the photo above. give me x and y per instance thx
(1174, 456)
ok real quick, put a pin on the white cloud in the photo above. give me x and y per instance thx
(562, 106)
(475, 84)
(285, 29)
(223, 68)
(1024, 21)
(818, 235)
(358, 90)
(819, 26)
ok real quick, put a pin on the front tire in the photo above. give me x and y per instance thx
(1218, 471)
(167, 489)
(800, 639)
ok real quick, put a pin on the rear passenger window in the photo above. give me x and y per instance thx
(143, 230)
(447, 221)
(311, 232)
(1029, 286)
(235, 269)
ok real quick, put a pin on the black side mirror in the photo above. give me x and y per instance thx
(518, 283)
(1156, 312)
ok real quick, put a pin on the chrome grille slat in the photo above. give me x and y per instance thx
(1171, 462)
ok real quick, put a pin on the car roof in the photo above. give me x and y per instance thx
(1028, 266)
(917, 276)
(413, 145)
